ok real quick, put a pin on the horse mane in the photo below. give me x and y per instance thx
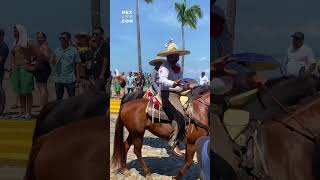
(275, 81)
(288, 90)
(198, 91)
(42, 115)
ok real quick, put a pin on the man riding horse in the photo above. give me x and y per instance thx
(170, 77)
(155, 86)
(156, 62)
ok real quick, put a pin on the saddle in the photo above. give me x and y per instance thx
(236, 120)
(245, 133)
(154, 107)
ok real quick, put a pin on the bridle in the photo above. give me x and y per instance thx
(310, 136)
(202, 100)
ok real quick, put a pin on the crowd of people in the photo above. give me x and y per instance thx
(33, 60)
(124, 84)
(127, 83)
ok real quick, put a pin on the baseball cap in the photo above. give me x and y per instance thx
(299, 35)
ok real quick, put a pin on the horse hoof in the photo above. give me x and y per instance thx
(149, 177)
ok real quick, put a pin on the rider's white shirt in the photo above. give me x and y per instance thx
(167, 77)
(298, 58)
(204, 80)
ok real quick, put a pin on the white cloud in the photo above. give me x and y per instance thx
(129, 39)
(195, 73)
(168, 18)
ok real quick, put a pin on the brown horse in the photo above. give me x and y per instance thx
(287, 143)
(77, 151)
(132, 115)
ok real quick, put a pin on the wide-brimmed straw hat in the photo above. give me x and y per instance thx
(156, 60)
(172, 48)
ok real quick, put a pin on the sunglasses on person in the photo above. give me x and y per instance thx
(62, 38)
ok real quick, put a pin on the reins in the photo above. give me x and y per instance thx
(310, 137)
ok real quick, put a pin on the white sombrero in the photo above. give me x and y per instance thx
(156, 60)
(173, 49)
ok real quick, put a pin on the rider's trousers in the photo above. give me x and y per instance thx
(174, 110)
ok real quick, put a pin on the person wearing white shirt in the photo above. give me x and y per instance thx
(299, 57)
(204, 79)
(170, 80)
(154, 80)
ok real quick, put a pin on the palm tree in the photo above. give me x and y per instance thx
(95, 13)
(187, 17)
(231, 13)
(138, 32)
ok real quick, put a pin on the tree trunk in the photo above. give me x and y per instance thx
(95, 13)
(138, 35)
(182, 60)
(231, 16)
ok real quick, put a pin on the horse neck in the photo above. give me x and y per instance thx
(201, 108)
(204, 98)
(308, 115)
(287, 92)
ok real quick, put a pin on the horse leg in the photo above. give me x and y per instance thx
(138, 142)
(127, 145)
(190, 150)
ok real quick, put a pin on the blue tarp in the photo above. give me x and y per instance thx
(258, 61)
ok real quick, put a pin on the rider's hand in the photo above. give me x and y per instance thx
(218, 67)
(189, 86)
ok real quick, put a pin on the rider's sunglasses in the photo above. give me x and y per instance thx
(62, 38)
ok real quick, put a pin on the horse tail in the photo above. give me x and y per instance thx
(41, 116)
(316, 159)
(123, 99)
(118, 156)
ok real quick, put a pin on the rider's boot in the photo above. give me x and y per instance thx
(176, 151)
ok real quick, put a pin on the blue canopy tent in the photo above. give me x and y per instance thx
(258, 62)
(189, 81)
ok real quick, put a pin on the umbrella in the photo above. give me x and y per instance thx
(258, 62)
(189, 80)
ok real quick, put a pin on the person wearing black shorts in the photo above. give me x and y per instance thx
(41, 67)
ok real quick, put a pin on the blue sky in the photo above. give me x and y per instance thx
(158, 23)
(265, 26)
